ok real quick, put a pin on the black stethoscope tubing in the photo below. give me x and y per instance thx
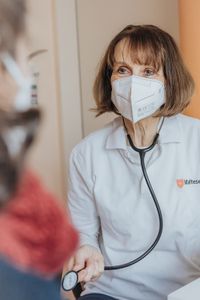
(142, 152)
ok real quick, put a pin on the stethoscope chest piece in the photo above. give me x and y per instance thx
(70, 280)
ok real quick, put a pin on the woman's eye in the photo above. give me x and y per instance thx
(123, 70)
(149, 72)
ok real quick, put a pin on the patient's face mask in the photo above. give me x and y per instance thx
(23, 98)
(137, 97)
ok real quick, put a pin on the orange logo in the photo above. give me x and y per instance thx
(180, 182)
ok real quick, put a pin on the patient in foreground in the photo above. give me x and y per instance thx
(36, 235)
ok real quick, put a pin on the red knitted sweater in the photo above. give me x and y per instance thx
(35, 232)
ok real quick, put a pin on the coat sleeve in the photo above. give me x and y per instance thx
(81, 200)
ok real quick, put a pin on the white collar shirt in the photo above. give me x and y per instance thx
(112, 208)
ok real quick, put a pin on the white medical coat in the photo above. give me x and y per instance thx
(112, 208)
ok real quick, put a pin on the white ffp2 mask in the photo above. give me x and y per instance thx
(23, 97)
(137, 97)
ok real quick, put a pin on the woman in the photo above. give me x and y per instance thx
(36, 236)
(142, 78)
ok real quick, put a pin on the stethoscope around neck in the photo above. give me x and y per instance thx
(70, 279)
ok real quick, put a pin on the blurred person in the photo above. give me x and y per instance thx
(36, 235)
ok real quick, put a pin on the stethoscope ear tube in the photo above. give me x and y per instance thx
(142, 153)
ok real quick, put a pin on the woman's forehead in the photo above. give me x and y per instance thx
(127, 52)
(122, 52)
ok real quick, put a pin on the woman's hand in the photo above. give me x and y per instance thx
(90, 260)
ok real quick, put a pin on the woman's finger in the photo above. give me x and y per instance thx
(90, 268)
(82, 275)
(97, 272)
(70, 264)
(79, 261)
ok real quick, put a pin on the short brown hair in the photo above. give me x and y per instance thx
(12, 23)
(149, 45)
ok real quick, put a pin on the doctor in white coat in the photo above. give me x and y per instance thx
(142, 78)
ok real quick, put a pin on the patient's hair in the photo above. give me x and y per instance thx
(149, 45)
(12, 24)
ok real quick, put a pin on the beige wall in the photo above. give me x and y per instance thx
(47, 154)
(69, 74)
(98, 21)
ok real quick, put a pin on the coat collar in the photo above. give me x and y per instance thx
(169, 133)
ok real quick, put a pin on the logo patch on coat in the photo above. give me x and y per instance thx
(181, 182)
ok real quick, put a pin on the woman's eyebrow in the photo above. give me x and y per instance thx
(121, 63)
(124, 63)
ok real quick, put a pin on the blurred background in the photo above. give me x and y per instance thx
(71, 37)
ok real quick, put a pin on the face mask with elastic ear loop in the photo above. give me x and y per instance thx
(23, 98)
(137, 97)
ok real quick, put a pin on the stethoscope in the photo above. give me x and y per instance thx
(70, 279)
